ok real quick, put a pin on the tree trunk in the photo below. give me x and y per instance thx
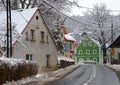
(104, 49)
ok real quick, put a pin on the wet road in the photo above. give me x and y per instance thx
(89, 75)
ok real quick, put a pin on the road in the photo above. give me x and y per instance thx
(89, 75)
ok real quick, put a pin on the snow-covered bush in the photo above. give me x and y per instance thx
(15, 69)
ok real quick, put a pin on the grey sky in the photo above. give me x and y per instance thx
(111, 4)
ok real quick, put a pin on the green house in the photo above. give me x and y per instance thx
(88, 51)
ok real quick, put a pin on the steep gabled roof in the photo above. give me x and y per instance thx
(116, 43)
(20, 18)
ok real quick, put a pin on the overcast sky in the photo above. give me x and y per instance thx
(111, 4)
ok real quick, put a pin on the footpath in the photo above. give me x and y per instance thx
(44, 79)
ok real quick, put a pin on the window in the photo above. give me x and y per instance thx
(29, 57)
(95, 60)
(89, 43)
(32, 34)
(26, 35)
(85, 44)
(88, 59)
(47, 39)
(94, 51)
(42, 36)
(81, 60)
(48, 60)
(37, 18)
(66, 46)
(80, 52)
(87, 51)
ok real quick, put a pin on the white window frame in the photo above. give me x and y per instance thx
(84, 43)
(90, 43)
(95, 59)
(87, 59)
(94, 51)
(80, 52)
(29, 57)
(87, 51)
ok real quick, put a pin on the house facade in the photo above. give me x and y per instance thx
(88, 51)
(68, 43)
(114, 51)
(37, 44)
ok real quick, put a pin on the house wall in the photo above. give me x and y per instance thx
(117, 51)
(39, 49)
(116, 54)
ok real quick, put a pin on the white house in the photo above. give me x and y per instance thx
(37, 44)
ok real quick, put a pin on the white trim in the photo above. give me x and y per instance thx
(80, 52)
(87, 51)
(90, 43)
(94, 51)
(84, 43)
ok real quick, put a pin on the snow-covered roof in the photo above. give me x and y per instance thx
(19, 18)
(69, 37)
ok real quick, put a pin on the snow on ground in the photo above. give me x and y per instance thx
(117, 67)
(45, 77)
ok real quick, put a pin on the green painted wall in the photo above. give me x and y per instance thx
(88, 50)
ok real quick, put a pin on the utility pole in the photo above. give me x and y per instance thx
(111, 32)
(9, 30)
(111, 42)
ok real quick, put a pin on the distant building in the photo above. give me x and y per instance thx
(115, 51)
(88, 51)
(68, 43)
(38, 44)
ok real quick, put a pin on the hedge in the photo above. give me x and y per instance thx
(15, 69)
(64, 63)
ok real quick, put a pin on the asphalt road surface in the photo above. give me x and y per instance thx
(89, 75)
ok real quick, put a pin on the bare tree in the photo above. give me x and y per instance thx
(100, 30)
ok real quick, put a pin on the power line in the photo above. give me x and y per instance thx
(67, 15)
(71, 17)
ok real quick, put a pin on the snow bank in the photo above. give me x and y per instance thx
(15, 69)
(60, 57)
(117, 67)
(40, 79)
(13, 62)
